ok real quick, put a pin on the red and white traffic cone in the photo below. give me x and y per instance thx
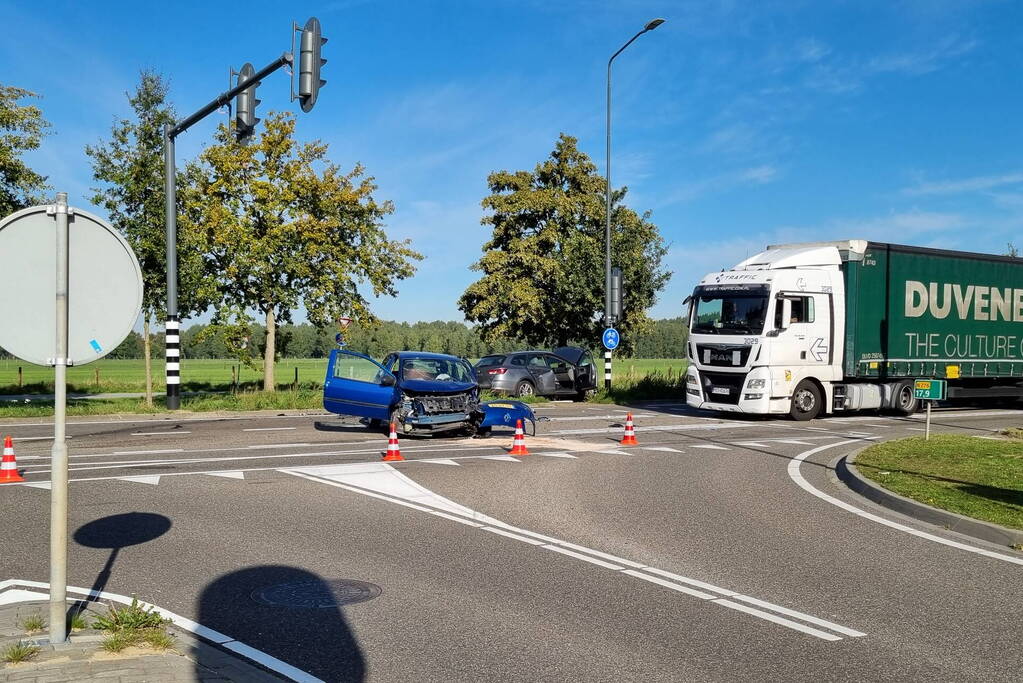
(393, 451)
(630, 432)
(519, 443)
(9, 466)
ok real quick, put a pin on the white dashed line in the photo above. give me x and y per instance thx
(156, 452)
(711, 447)
(508, 534)
(584, 558)
(176, 433)
(268, 429)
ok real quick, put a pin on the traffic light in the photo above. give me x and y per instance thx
(309, 81)
(617, 285)
(245, 106)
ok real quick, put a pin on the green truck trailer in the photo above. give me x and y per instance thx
(832, 326)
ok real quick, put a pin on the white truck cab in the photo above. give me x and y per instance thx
(766, 336)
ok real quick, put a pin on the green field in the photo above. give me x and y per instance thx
(107, 375)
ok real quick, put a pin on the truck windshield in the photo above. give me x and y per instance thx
(729, 311)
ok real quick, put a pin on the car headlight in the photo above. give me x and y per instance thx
(756, 384)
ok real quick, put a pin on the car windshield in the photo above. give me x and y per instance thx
(490, 361)
(729, 311)
(436, 369)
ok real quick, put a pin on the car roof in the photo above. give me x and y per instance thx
(425, 355)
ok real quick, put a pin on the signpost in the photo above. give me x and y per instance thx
(610, 339)
(60, 255)
(929, 390)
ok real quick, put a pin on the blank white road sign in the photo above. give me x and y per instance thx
(104, 286)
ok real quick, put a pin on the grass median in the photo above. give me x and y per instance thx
(979, 478)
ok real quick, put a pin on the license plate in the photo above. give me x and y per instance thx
(720, 390)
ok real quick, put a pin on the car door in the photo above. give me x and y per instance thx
(543, 377)
(565, 374)
(585, 373)
(358, 385)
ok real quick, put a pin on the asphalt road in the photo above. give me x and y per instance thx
(719, 549)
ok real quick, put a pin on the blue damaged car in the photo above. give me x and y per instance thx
(420, 392)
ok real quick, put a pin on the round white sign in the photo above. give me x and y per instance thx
(104, 286)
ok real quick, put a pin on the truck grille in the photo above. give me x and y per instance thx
(723, 387)
(725, 355)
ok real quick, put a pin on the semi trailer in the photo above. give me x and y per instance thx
(824, 327)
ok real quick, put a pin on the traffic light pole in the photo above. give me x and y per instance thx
(170, 132)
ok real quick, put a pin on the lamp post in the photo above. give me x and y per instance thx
(607, 192)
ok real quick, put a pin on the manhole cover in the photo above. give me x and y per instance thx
(316, 593)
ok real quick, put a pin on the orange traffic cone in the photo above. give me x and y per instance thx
(519, 443)
(630, 432)
(393, 451)
(9, 466)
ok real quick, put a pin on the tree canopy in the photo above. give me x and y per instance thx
(543, 267)
(279, 226)
(22, 128)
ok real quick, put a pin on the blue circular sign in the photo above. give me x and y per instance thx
(611, 339)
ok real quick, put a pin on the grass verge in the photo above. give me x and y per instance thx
(133, 625)
(18, 652)
(32, 624)
(979, 478)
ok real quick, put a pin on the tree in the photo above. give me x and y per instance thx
(130, 166)
(543, 268)
(22, 128)
(1013, 251)
(280, 226)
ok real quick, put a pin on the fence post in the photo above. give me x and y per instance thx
(234, 380)
(21, 378)
(97, 378)
(294, 387)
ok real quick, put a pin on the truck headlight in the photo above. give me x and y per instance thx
(691, 379)
(756, 384)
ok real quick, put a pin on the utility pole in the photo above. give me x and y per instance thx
(309, 84)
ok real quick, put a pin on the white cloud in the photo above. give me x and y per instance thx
(964, 185)
(756, 175)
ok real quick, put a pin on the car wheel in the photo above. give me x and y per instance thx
(904, 402)
(806, 401)
(374, 423)
(585, 395)
(525, 388)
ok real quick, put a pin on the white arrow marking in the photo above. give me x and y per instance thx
(441, 461)
(151, 479)
(235, 474)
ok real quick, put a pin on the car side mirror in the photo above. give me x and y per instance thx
(387, 381)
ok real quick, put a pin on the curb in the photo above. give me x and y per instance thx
(985, 531)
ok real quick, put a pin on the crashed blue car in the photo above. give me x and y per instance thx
(420, 392)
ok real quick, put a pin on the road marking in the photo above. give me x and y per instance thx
(669, 584)
(159, 433)
(279, 445)
(750, 444)
(662, 428)
(557, 455)
(794, 441)
(778, 620)
(915, 429)
(233, 474)
(156, 452)
(797, 477)
(35, 438)
(385, 483)
(614, 451)
(508, 534)
(584, 558)
(38, 484)
(151, 479)
(507, 458)
(267, 429)
(204, 632)
(441, 461)
(711, 447)
(663, 449)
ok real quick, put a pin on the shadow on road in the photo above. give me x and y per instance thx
(288, 613)
(116, 532)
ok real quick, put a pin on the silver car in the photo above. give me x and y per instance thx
(567, 372)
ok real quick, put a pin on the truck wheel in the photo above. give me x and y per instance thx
(525, 388)
(904, 402)
(806, 401)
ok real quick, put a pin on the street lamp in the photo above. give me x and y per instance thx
(607, 191)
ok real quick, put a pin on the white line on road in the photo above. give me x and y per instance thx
(508, 534)
(156, 452)
(796, 476)
(710, 447)
(177, 433)
(279, 445)
(383, 482)
(268, 429)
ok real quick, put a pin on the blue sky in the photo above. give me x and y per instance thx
(737, 124)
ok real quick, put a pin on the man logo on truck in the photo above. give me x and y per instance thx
(987, 303)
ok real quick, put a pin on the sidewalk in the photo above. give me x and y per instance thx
(188, 660)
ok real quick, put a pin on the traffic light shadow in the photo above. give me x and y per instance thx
(290, 614)
(115, 532)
